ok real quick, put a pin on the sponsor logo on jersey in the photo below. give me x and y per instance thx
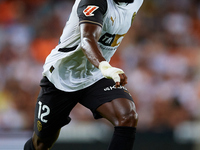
(89, 10)
(111, 39)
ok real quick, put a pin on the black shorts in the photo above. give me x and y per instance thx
(54, 106)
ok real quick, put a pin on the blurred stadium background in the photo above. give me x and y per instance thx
(160, 55)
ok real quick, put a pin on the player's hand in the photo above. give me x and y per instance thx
(113, 73)
(123, 80)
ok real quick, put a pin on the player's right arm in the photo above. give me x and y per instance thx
(91, 19)
(89, 37)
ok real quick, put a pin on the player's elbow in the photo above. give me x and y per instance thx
(87, 43)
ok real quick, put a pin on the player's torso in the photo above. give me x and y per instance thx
(117, 21)
(72, 69)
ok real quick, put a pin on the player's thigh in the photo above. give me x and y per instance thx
(52, 110)
(102, 92)
(120, 112)
(45, 142)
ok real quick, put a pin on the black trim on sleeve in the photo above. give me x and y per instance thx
(92, 22)
(92, 11)
(67, 49)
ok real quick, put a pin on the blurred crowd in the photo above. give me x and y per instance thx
(160, 55)
(162, 62)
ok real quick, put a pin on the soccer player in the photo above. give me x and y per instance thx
(78, 71)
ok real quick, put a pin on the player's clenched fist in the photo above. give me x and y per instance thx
(113, 73)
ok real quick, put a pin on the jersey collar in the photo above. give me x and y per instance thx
(122, 3)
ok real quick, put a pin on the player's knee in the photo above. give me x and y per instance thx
(40, 144)
(29, 145)
(128, 119)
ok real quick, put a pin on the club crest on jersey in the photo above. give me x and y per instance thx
(39, 125)
(89, 10)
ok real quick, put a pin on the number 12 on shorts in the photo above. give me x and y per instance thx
(46, 111)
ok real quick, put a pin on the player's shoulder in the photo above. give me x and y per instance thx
(102, 3)
(140, 2)
(93, 5)
(136, 4)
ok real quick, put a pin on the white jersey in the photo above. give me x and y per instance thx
(66, 66)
